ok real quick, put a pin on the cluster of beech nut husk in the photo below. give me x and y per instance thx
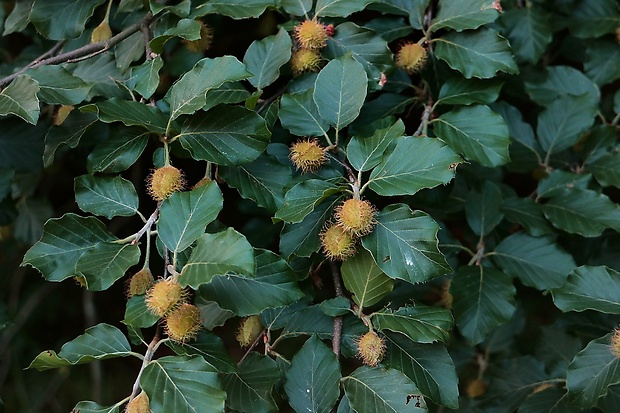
(411, 57)
(310, 38)
(371, 348)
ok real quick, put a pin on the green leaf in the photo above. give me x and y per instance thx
(602, 63)
(486, 47)
(184, 216)
(182, 384)
(590, 288)
(226, 135)
(137, 314)
(335, 307)
(483, 298)
(398, 174)
(593, 370)
(20, 99)
(106, 196)
(92, 407)
(459, 91)
(301, 199)
(188, 94)
(58, 86)
(217, 254)
(605, 169)
(529, 31)
(594, 19)
(421, 324)
(382, 391)
(100, 342)
(537, 262)
(249, 389)
(181, 9)
(32, 214)
(366, 46)
(365, 151)
(561, 124)
(187, 29)
(119, 152)
(477, 132)
(339, 8)
(105, 263)
(340, 90)
(229, 92)
(63, 242)
(262, 180)
(429, 366)
(18, 20)
(144, 79)
(274, 285)
(528, 214)
(404, 245)
(102, 72)
(365, 280)
(560, 182)
(563, 83)
(300, 115)
(464, 14)
(130, 113)
(67, 134)
(22, 145)
(237, 9)
(483, 208)
(582, 211)
(129, 50)
(312, 378)
(62, 19)
(265, 57)
(548, 400)
(296, 7)
(210, 347)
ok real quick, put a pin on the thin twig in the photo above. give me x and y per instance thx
(89, 50)
(146, 32)
(267, 101)
(254, 344)
(148, 356)
(338, 319)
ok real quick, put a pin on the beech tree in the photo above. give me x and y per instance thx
(312, 205)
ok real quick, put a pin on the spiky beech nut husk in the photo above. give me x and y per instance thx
(205, 41)
(411, 57)
(139, 404)
(183, 323)
(310, 34)
(202, 182)
(140, 282)
(307, 155)
(164, 296)
(80, 280)
(165, 181)
(338, 244)
(371, 348)
(356, 216)
(101, 33)
(249, 330)
(61, 114)
(305, 60)
(475, 388)
(614, 342)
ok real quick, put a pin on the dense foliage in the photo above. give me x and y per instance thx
(345, 205)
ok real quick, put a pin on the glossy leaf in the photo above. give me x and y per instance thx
(340, 91)
(382, 391)
(301, 199)
(106, 196)
(463, 14)
(119, 152)
(217, 254)
(429, 366)
(562, 82)
(58, 86)
(312, 378)
(262, 180)
(528, 214)
(593, 370)
(265, 57)
(182, 384)
(62, 19)
(144, 79)
(20, 99)
(537, 262)
(100, 342)
(104, 263)
(595, 19)
(561, 124)
(421, 324)
(210, 347)
(137, 315)
(365, 280)
(300, 115)
(237, 9)
(130, 113)
(274, 285)
(483, 209)
(477, 132)
(365, 151)
(68, 134)
(398, 174)
(602, 63)
(297, 7)
(590, 288)
(249, 389)
(226, 135)
(404, 245)
(483, 298)
(63, 242)
(184, 216)
(188, 94)
(459, 91)
(486, 47)
(529, 31)
(339, 8)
